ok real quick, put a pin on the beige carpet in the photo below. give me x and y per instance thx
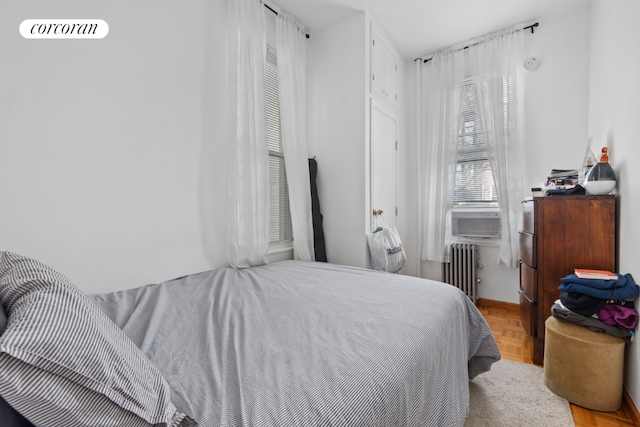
(513, 394)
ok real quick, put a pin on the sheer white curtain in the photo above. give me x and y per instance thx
(248, 221)
(292, 81)
(491, 63)
(440, 96)
(497, 59)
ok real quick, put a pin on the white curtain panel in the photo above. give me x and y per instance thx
(440, 97)
(489, 62)
(248, 226)
(292, 81)
(498, 58)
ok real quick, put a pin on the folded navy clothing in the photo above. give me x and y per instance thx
(581, 303)
(625, 288)
(598, 283)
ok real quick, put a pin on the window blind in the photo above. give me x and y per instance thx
(280, 221)
(474, 179)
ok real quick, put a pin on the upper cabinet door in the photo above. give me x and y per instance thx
(391, 75)
(384, 69)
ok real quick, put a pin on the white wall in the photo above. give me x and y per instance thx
(112, 151)
(339, 132)
(614, 108)
(113, 166)
(338, 135)
(116, 174)
(554, 124)
(557, 96)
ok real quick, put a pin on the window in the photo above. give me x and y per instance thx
(280, 221)
(474, 179)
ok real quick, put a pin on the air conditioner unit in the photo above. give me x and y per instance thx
(472, 222)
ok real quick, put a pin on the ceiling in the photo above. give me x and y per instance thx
(421, 27)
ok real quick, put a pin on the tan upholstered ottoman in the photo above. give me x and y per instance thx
(583, 366)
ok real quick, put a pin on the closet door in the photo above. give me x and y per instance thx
(383, 162)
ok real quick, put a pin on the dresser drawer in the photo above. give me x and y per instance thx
(529, 282)
(528, 248)
(528, 216)
(527, 313)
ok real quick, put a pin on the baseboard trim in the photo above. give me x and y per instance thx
(627, 403)
(509, 306)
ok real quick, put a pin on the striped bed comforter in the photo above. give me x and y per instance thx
(309, 344)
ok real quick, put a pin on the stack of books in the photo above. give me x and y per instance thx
(563, 178)
(560, 181)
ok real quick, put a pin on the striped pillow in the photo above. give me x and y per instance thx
(9, 416)
(64, 363)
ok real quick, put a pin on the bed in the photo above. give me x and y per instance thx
(286, 344)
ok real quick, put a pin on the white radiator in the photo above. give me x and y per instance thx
(461, 270)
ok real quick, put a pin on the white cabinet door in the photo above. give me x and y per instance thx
(383, 163)
(391, 75)
(384, 70)
(378, 66)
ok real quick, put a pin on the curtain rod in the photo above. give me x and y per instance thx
(272, 10)
(531, 27)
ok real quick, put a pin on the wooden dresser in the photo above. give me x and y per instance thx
(560, 233)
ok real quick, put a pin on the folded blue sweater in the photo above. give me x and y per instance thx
(623, 289)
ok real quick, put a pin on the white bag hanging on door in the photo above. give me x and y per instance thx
(385, 246)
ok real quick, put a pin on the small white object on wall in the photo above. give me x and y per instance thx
(531, 63)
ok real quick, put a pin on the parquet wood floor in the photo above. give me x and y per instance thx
(515, 345)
